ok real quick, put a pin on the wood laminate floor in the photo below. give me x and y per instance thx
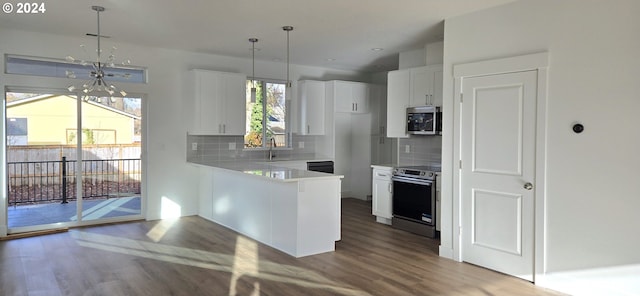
(192, 256)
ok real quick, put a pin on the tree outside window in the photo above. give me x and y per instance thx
(266, 117)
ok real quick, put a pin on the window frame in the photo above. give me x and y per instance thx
(52, 67)
(287, 115)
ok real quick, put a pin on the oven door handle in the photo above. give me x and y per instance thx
(411, 180)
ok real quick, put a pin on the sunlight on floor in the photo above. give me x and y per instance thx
(245, 263)
(236, 264)
(160, 229)
(616, 280)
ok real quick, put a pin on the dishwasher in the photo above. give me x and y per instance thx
(320, 166)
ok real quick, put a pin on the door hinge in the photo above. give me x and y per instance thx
(460, 163)
(461, 97)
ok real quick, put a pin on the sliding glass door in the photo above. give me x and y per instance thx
(111, 157)
(71, 159)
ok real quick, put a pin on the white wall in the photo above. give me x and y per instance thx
(434, 53)
(168, 175)
(592, 197)
(411, 59)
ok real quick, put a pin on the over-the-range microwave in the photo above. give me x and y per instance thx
(424, 120)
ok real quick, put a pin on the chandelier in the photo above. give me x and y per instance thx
(98, 70)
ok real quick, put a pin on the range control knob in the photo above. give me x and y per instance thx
(431, 174)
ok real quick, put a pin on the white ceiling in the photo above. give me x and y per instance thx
(344, 30)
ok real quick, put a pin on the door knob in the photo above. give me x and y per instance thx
(528, 186)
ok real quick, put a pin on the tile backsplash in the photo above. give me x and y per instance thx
(211, 149)
(422, 150)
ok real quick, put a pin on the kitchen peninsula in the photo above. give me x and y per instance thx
(295, 211)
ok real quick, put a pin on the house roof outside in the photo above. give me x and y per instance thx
(49, 96)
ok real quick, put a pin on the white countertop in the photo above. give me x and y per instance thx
(383, 166)
(270, 170)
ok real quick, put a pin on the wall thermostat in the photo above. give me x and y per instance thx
(578, 128)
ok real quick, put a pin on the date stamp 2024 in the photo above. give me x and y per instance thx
(24, 8)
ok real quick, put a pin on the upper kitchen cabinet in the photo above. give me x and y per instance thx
(398, 94)
(426, 86)
(311, 107)
(218, 102)
(410, 88)
(350, 97)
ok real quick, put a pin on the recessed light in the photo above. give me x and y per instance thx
(377, 49)
(330, 60)
(277, 60)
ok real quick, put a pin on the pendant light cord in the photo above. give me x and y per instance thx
(288, 80)
(288, 29)
(98, 11)
(253, 63)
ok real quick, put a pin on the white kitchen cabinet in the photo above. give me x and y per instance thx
(426, 86)
(382, 193)
(350, 97)
(409, 88)
(348, 142)
(218, 102)
(352, 157)
(398, 93)
(311, 107)
(381, 146)
(299, 215)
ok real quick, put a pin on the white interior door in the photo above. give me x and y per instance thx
(498, 170)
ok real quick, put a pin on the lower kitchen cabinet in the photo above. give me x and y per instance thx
(381, 194)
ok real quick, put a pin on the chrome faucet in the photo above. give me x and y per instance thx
(272, 144)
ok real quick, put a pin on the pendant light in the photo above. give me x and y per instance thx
(253, 65)
(288, 29)
(99, 74)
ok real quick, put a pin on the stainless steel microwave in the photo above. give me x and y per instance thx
(424, 120)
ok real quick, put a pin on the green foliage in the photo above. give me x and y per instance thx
(254, 137)
(273, 94)
(88, 136)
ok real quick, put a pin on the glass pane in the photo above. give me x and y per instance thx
(59, 68)
(276, 110)
(254, 112)
(111, 149)
(40, 163)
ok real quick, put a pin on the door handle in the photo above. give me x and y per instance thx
(528, 186)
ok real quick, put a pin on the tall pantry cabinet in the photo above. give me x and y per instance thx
(347, 138)
(352, 135)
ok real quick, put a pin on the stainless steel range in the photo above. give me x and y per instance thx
(414, 199)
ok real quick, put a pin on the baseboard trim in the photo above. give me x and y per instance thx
(33, 233)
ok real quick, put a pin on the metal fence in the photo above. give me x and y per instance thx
(48, 181)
